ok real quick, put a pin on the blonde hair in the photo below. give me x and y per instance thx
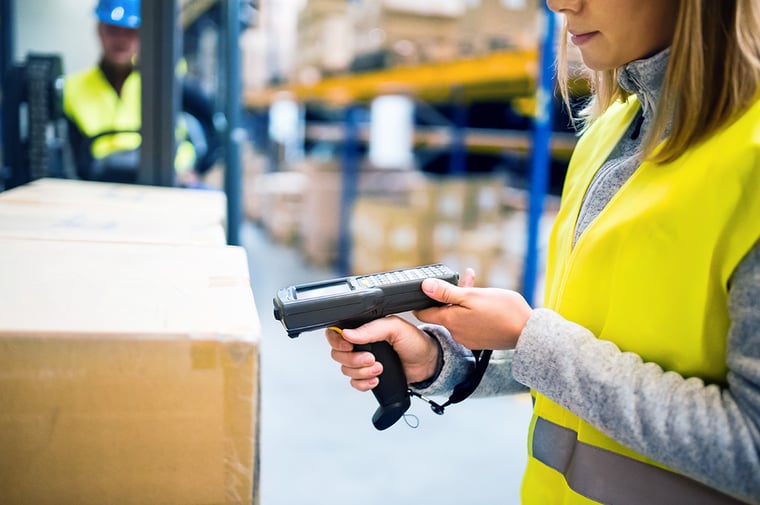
(713, 75)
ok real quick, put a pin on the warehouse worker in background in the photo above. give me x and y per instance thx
(645, 362)
(103, 106)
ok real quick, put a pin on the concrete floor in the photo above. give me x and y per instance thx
(318, 445)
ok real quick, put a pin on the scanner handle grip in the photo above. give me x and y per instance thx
(392, 393)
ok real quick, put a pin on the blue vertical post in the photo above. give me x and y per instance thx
(234, 134)
(458, 150)
(160, 100)
(350, 186)
(7, 38)
(542, 130)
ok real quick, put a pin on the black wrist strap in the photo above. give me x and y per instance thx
(465, 388)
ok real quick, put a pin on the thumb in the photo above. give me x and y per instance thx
(442, 291)
(351, 335)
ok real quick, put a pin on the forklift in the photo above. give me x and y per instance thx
(33, 125)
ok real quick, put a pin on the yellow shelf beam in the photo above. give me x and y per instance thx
(483, 140)
(502, 74)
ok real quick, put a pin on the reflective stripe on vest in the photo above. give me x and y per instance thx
(609, 477)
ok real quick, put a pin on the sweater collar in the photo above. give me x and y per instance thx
(645, 78)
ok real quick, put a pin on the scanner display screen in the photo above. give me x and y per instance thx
(322, 290)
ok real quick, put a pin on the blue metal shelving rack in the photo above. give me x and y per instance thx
(539, 174)
(507, 73)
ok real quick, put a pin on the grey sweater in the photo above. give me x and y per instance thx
(707, 432)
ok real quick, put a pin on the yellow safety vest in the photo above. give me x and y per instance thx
(651, 274)
(93, 105)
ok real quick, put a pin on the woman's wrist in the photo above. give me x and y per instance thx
(434, 365)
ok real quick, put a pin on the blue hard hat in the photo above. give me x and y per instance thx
(124, 13)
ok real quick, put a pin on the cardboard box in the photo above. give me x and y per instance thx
(481, 250)
(325, 41)
(170, 205)
(254, 166)
(387, 236)
(467, 201)
(128, 374)
(281, 196)
(495, 25)
(410, 32)
(322, 201)
(101, 224)
(320, 214)
(255, 67)
(456, 205)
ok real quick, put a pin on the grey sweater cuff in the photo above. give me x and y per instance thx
(456, 363)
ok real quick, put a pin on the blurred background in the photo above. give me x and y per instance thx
(347, 137)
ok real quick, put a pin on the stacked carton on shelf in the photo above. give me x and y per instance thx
(388, 33)
(429, 226)
(474, 221)
(335, 36)
(280, 197)
(497, 250)
(457, 204)
(320, 215)
(254, 61)
(407, 32)
(129, 360)
(402, 218)
(387, 236)
(302, 205)
(497, 25)
(324, 40)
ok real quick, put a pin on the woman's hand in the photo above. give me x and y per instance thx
(416, 349)
(478, 318)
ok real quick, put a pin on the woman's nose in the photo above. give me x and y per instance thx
(564, 6)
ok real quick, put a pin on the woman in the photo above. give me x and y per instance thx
(645, 362)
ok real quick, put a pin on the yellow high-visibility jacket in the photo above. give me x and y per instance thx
(655, 262)
(109, 122)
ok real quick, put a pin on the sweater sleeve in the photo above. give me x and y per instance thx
(458, 362)
(708, 432)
